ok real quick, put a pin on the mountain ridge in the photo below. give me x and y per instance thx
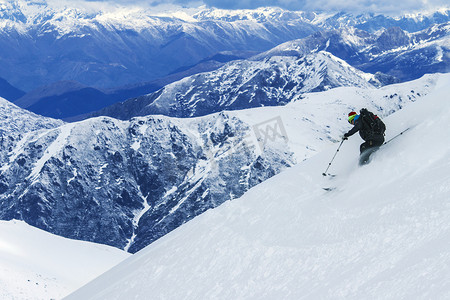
(245, 84)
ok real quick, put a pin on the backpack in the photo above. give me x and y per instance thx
(372, 123)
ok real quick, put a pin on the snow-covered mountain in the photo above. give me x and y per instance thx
(103, 45)
(244, 84)
(15, 124)
(15, 121)
(382, 233)
(410, 22)
(392, 51)
(409, 56)
(35, 264)
(127, 183)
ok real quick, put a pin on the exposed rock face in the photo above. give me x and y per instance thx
(128, 183)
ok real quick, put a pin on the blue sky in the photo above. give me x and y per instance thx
(380, 6)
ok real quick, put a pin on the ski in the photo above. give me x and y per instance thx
(330, 175)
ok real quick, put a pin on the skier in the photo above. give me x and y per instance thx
(371, 129)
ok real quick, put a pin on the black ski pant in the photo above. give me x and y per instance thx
(368, 147)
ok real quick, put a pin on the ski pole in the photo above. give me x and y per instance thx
(325, 173)
(397, 135)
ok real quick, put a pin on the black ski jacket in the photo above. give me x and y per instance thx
(365, 133)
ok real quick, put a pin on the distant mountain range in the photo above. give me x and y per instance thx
(392, 55)
(110, 54)
(392, 51)
(112, 47)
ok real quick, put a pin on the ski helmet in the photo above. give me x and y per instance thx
(351, 116)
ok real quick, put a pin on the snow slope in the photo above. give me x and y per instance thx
(382, 233)
(35, 264)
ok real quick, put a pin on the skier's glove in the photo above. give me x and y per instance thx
(345, 137)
